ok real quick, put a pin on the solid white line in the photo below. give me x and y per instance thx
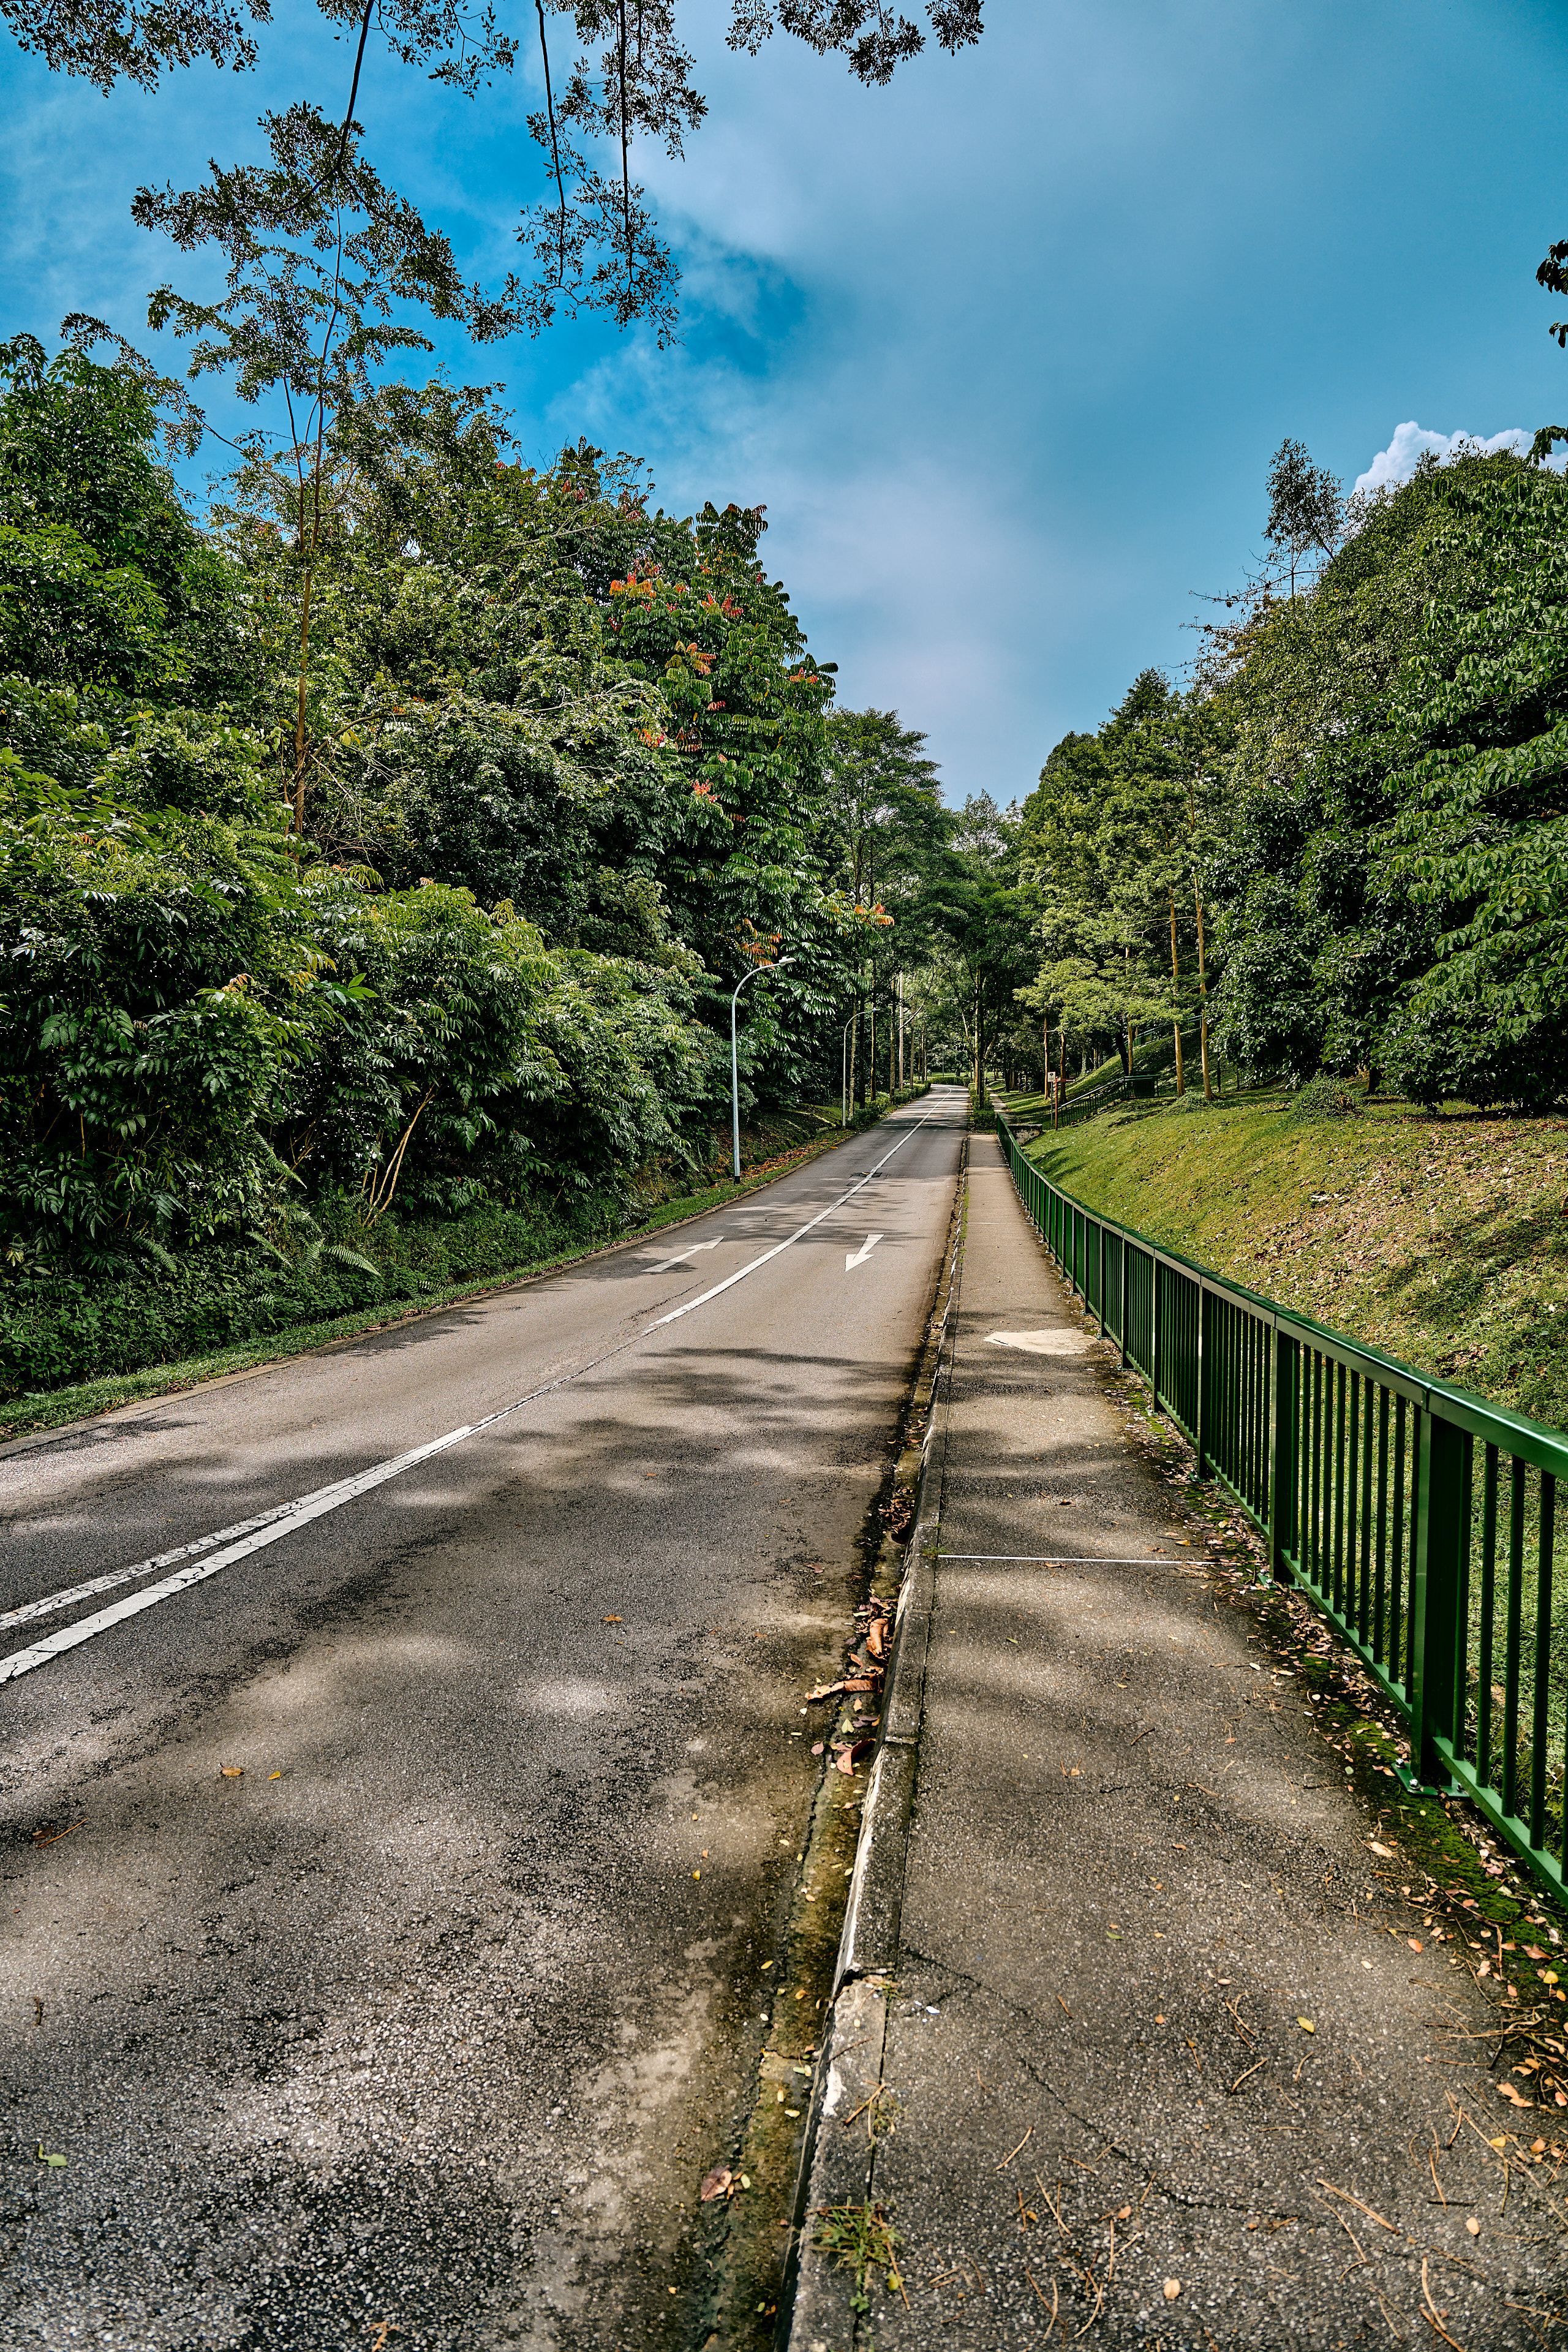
(299, 1515)
(676, 1313)
(52, 1602)
(247, 1536)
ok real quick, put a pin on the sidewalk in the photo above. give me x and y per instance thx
(1143, 2053)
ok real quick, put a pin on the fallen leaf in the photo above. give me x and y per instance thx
(1386, 1852)
(231, 1771)
(1510, 2094)
(275, 1776)
(1534, 1952)
(718, 2184)
(1413, 1942)
(1124, 2213)
(1173, 2289)
(610, 1620)
(1473, 2226)
(877, 1636)
(51, 2159)
(1306, 2025)
(816, 1746)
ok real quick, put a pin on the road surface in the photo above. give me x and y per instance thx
(422, 2028)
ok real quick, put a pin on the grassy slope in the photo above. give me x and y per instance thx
(772, 1144)
(1441, 1240)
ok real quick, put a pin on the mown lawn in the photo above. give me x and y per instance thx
(1442, 1239)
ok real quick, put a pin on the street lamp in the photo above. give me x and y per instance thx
(844, 1084)
(735, 1056)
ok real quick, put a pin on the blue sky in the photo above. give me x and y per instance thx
(1003, 348)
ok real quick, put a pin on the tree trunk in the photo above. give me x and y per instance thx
(1175, 996)
(1124, 1037)
(1203, 993)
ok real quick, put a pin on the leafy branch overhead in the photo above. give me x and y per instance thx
(592, 243)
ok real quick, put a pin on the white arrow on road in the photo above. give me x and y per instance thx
(685, 1254)
(859, 1256)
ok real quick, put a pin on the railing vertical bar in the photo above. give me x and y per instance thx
(1489, 1606)
(1462, 1590)
(1314, 1521)
(1540, 1714)
(1379, 1623)
(1510, 1654)
(1353, 1474)
(1396, 1581)
(1364, 1573)
(1340, 1385)
(1412, 1543)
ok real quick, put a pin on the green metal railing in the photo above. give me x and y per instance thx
(1420, 1520)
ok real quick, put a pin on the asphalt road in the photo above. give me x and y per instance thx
(422, 2030)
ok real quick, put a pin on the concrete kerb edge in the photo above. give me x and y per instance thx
(814, 2306)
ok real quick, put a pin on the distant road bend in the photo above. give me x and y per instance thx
(435, 2011)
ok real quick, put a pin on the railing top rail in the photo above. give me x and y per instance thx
(1514, 1433)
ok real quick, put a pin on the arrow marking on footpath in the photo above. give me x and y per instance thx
(863, 1252)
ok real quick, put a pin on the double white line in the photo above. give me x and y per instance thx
(209, 1555)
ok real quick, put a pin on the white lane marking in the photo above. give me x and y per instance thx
(257, 1534)
(682, 1256)
(52, 1602)
(858, 1257)
(271, 1526)
(676, 1313)
(299, 1515)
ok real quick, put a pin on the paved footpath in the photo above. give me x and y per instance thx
(1149, 2067)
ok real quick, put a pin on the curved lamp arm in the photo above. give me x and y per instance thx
(735, 1060)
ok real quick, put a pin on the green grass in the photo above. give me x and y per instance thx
(770, 1147)
(1441, 1239)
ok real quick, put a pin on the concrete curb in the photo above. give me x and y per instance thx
(816, 2305)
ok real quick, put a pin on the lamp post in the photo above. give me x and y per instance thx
(843, 1084)
(735, 1057)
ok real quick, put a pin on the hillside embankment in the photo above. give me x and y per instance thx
(1441, 1239)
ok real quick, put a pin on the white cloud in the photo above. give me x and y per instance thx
(1411, 441)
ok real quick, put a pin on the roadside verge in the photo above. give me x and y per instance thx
(819, 2299)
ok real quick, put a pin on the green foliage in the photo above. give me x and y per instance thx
(1391, 890)
(1344, 849)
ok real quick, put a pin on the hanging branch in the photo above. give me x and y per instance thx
(625, 166)
(554, 144)
(354, 87)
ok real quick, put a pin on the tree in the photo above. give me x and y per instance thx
(1306, 506)
(884, 823)
(318, 250)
